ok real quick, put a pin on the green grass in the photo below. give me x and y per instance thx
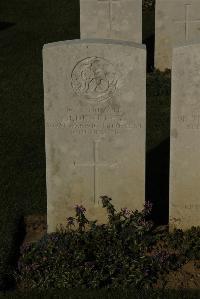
(22, 151)
(22, 148)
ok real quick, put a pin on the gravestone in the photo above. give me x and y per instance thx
(176, 21)
(185, 138)
(112, 19)
(94, 126)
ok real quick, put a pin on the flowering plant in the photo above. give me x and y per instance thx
(121, 253)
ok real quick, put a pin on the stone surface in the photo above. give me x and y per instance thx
(185, 138)
(95, 126)
(112, 19)
(176, 21)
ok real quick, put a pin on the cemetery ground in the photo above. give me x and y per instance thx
(24, 29)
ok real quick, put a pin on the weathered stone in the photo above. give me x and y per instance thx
(176, 21)
(112, 19)
(185, 138)
(95, 126)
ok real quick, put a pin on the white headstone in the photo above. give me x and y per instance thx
(95, 126)
(185, 138)
(176, 21)
(112, 19)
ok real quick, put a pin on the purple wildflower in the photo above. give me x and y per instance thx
(145, 224)
(147, 208)
(126, 212)
(70, 220)
(142, 222)
(54, 238)
(148, 205)
(79, 209)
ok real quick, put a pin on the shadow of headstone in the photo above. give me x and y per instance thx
(5, 25)
(148, 33)
(17, 241)
(157, 182)
(149, 42)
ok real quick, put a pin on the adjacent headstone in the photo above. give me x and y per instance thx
(176, 21)
(112, 19)
(95, 126)
(185, 138)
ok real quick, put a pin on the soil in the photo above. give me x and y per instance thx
(35, 227)
(187, 277)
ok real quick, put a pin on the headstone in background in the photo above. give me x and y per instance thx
(95, 126)
(175, 21)
(112, 19)
(185, 138)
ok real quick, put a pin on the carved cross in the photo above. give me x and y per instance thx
(96, 164)
(110, 9)
(187, 21)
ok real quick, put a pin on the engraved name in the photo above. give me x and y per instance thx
(94, 121)
(189, 121)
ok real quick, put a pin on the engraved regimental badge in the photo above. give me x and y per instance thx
(95, 79)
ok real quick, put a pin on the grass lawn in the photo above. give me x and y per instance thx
(104, 294)
(25, 26)
(22, 151)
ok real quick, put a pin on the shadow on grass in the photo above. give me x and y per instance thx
(9, 283)
(105, 294)
(157, 181)
(5, 25)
